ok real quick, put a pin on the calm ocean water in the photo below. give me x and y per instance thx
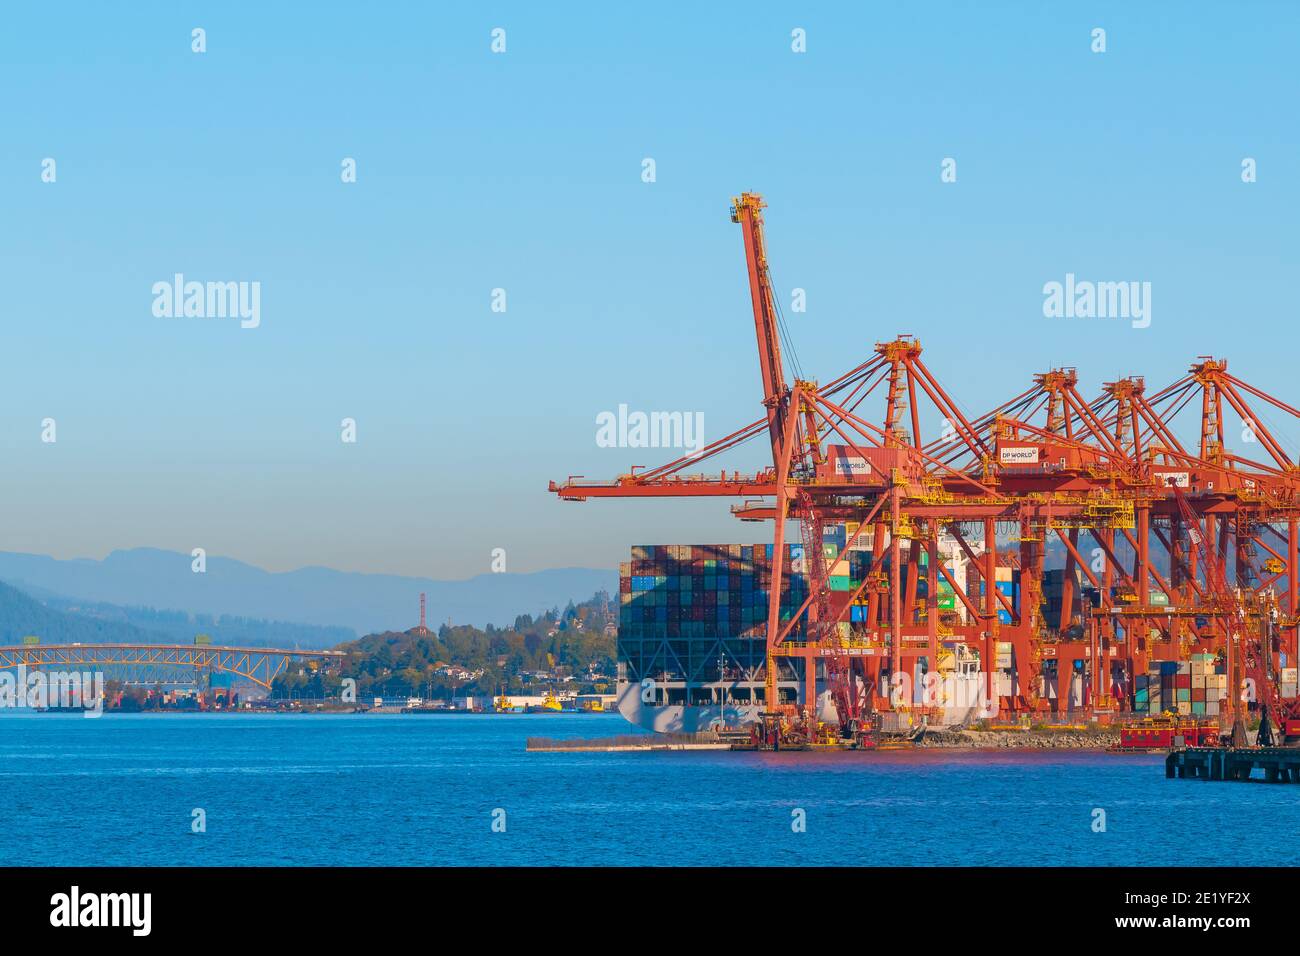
(417, 790)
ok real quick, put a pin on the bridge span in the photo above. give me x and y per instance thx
(261, 665)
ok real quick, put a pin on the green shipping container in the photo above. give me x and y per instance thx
(840, 582)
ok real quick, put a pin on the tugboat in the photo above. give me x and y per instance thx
(1158, 734)
(504, 705)
(550, 705)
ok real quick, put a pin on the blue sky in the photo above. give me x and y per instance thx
(522, 171)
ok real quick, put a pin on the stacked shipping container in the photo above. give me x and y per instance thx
(1054, 596)
(705, 591)
(719, 590)
(677, 602)
(1007, 581)
(1196, 687)
(687, 597)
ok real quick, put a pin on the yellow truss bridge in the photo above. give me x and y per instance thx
(261, 665)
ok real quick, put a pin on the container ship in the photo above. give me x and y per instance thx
(692, 639)
(693, 629)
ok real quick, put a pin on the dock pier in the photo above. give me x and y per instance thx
(1279, 764)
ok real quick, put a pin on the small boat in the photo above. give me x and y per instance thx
(504, 705)
(1158, 734)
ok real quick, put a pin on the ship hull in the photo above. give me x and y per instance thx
(699, 718)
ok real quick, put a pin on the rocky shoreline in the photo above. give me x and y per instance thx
(1019, 739)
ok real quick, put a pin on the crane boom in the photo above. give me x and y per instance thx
(746, 210)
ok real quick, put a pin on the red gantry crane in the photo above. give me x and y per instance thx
(1047, 469)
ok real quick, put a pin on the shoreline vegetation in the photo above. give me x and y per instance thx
(566, 653)
(569, 652)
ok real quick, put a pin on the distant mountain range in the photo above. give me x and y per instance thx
(58, 620)
(21, 615)
(173, 626)
(128, 586)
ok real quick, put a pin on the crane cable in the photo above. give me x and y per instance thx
(783, 332)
